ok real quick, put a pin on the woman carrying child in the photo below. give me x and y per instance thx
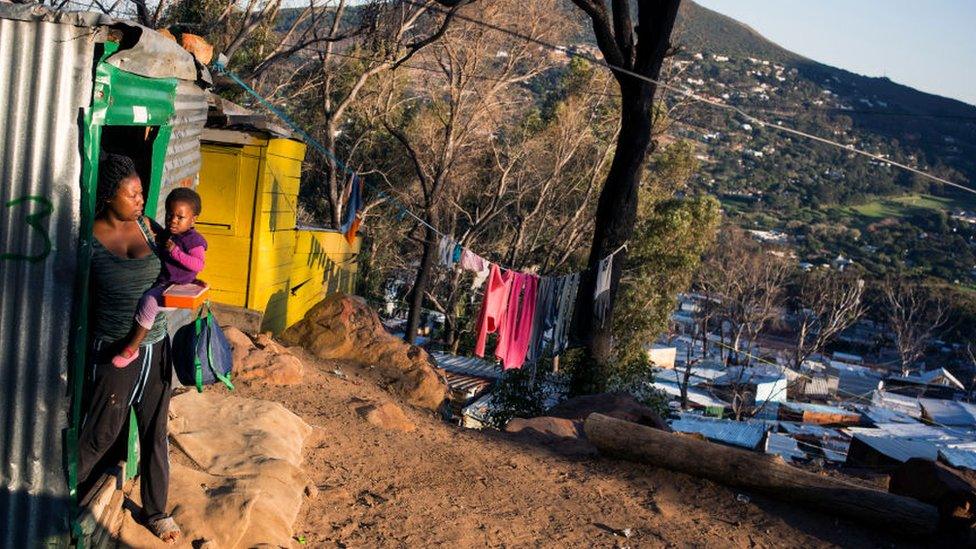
(123, 267)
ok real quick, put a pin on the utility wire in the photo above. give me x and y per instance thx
(219, 66)
(695, 97)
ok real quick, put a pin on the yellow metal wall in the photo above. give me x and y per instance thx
(256, 257)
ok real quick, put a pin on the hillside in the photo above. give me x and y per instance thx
(770, 179)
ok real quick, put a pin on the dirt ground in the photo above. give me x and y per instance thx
(441, 485)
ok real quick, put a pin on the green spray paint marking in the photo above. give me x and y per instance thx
(34, 221)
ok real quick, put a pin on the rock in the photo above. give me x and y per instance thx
(549, 426)
(948, 489)
(343, 327)
(251, 486)
(617, 405)
(387, 416)
(240, 344)
(263, 360)
(196, 45)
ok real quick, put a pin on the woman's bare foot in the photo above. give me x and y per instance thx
(165, 529)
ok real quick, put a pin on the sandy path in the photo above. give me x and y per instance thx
(443, 485)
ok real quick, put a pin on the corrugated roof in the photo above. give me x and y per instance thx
(899, 403)
(949, 412)
(45, 82)
(821, 386)
(817, 408)
(696, 395)
(784, 446)
(468, 365)
(939, 376)
(737, 433)
(471, 386)
(698, 375)
(901, 449)
(878, 415)
(959, 456)
(811, 429)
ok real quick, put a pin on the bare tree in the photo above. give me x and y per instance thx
(826, 303)
(914, 313)
(748, 282)
(458, 113)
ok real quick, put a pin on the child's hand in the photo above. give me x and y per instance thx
(170, 244)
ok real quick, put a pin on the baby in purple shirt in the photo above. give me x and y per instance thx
(182, 260)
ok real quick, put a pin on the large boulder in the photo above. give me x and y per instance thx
(262, 360)
(618, 405)
(547, 426)
(953, 491)
(343, 327)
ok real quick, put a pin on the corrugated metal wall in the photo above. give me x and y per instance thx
(183, 153)
(45, 82)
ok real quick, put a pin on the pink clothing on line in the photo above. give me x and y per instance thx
(515, 333)
(493, 306)
(471, 261)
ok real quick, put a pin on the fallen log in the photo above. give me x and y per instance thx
(760, 472)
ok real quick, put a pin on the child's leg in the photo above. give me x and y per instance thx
(144, 320)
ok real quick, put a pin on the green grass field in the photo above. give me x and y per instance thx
(906, 205)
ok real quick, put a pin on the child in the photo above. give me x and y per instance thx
(182, 260)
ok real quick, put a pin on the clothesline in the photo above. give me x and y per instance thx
(220, 67)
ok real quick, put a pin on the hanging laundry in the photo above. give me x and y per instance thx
(445, 251)
(545, 306)
(555, 305)
(493, 306)
(566, 307)
(456, 254)
(354, 207)
(515, 333)
(473, 262)
(601, 292)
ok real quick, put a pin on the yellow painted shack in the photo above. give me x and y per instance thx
(258, 257)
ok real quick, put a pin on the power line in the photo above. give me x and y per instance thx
(342, 165)
(695, 97)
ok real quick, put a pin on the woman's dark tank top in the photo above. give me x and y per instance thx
(117, 283)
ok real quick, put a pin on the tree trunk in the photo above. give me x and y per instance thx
(420, 284)
(760, 472)
(616, 215)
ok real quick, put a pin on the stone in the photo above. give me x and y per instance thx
(196, 45)
(618, 405)
(263, 360)
(387, 416)
(548, 426)
(343, 327)
(250, 486)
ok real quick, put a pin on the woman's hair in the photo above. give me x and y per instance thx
(112, 169)
(186, 196)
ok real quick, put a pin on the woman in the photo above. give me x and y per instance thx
(123, 266)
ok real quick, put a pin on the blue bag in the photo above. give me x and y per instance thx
(201, 353)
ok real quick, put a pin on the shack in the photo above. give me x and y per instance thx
(72, 85)
(261, 257)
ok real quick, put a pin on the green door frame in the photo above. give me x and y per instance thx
(119, 98)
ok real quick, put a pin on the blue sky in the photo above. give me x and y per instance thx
(928, 45)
